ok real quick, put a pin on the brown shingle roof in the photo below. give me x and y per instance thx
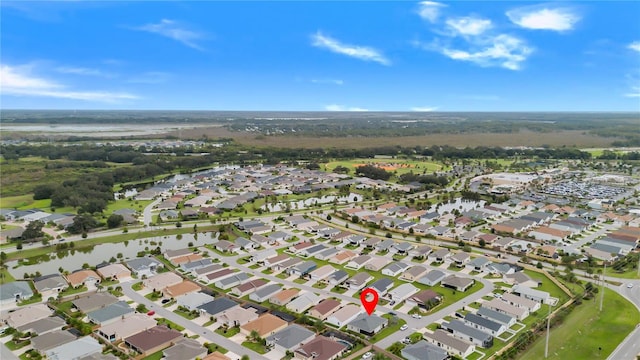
(264, 325)
(152, 338)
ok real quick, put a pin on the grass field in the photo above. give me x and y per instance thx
(400, 166)
(522, 138)
(586, 329)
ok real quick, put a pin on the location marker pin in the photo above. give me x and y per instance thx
(369, 299)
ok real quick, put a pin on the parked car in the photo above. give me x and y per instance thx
(164, 301)
(367, 355)
(629, 285)
(416, 316)
(151, 313)
(404, 327)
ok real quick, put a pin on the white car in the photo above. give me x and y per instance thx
(404, 327)
(416, 316)
(629, 285)
(367, 355)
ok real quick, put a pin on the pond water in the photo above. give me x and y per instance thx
(301, 204)
(71, 260)
(127, 194)
(462, 205)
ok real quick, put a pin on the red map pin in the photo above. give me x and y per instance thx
(369, 299)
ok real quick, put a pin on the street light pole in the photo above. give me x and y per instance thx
(546, 344)
(602, 290)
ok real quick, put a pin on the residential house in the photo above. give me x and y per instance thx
(161, 281)
(91, 302)
(50, 285)
(343, 257)
(110, 313)
(395, 269)
(325, 308)
(217, 307)
(345, 315)
(153, 340)
(174, 254)
(312, 250)
(359, 280)
(432, 278)
(225, 246)
(88, 278)
(290, 338)
(264, 293)
(26, 315)
(358, 262)
(48, 341)
(303, 302)
(402, 292)
(403, 248)
(458, 283)
(75, 350)
(384, 245)
(382, 286)
(117, 272)
(237, 316)
(338, 277)
(122, 328)
(322, 273)
(414, 273)
(265, 325)
(231, 281)
(460, 330)
(145, 266)
(483, 324)
(376, 263)
(302, 269)
(538, 296)
(182, 288)
(368, 325)
(478, 264)
(502, 318)
(219, 275)
(520, 278)
(500, 306)
(270, 262)
(327, 253)
(439, 255)
(450, 344)
(460, 259)
(201, 273)
(421, 252)
(425, 299)
(191, 301)
(43, 326)
(291, 262)
(245, 244)
(320, 348)
(284, 297)
(185, 349)
(423, 350)
(248, 287)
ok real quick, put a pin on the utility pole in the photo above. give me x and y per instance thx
(546, 344)
(602, 290)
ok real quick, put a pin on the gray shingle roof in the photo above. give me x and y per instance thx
(368, 323)
(484, 322)
(423, 350)
(290, 336)
(110, 312)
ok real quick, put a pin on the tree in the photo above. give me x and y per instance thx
(33, 230)
(114, 221)
(482, 243)
(82, 224)
(245, 357)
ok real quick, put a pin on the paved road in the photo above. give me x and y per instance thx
(147, 218)
(189, 325)
(630, 347)
(6, 354)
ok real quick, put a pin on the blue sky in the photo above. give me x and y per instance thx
(342, 56)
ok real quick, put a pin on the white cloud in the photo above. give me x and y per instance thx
(634, 92)
(173, 30)
(17, 80)
(502, 50)
(430, 10)
(336, 107)
(635, 46)
(328, 81)
(542, 17)
(82, 71)
(424, 108)
(359, 52)
(469, 25)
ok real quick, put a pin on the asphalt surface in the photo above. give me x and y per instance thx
(630, 347)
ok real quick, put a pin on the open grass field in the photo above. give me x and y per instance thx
(586, 329)
(400, 166)
(21, 176)
(522, 138)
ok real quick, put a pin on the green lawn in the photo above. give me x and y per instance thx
(255, 347)
(417, 166)
(170, 324)
(629, 274)
(390, 329)
(548, 286)
(227, 332)
(586, 329)
(137, 286)
(5, 276)
(154, 356)
(186, 314)
(72, 291)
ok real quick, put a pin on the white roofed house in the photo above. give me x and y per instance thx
(303, 302)
(345, 315)
(413, 274)
(322, 272)
(264, 293)
(402, 292)
(115, 272)
(460, 259)
(532, 294)
(358, 262)
(521, 302)
(395, 269)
